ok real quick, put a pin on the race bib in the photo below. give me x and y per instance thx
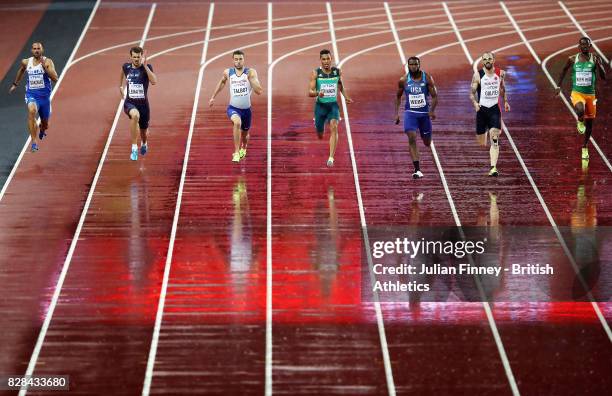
(584, 79)
(136, 91)
(36, 81)
(417, 101)
(329, 90)
(240, 90)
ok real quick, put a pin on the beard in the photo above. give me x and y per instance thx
(489, 66)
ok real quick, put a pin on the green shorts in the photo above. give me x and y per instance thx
(325, 112)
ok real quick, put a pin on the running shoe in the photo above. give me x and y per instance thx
(242, 153)
(417, 175)
(134, 154)
(143, 149)
(493, 172)
(42, 134)
(236, 157)
(330, 162)
(585, 153)
(581, 127)
(34, 147)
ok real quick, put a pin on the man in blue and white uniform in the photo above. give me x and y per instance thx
(39, 71)
(417, 85)
(242, 82)
(138, 75)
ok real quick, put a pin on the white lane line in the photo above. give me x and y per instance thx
(487, 307)
(55, 88)
(364, 227)
(581, 30)
(269, 361)
(554, 84)
(520, 32)
(75, 239)
(600, 316)
(146, 388)
(456, 30)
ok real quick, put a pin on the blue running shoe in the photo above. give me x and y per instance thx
(34, 147)
(42, 134)
(134, 155)
(143, 149)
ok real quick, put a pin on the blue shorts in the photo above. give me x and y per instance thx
(244, 114)
(417, 121)
(42, 104)
(143, 110)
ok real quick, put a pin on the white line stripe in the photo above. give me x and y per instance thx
(395, 35)
(454, 25)
(520, 33)
(490, 318)
(364, 227)
(268, 368)
(177, 210)
(581, 30)
(55, 88)
(75, 239)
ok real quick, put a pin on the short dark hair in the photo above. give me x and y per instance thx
(237, 52)
(585, 38)
(324, 52)
(414, 58)
(136, 50)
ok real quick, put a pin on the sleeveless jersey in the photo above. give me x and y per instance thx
(488, 88)
(38, 83)
(240, 89)
(138, 83)
(416, 94)
(328, 84)
(584, 75)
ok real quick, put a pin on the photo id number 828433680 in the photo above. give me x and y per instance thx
(34, 382)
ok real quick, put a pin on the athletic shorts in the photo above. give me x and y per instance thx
(244, 114)
(589, 101)
(417, 121)
(143, 109)
(43, 105)
(324, 113)
(487, 118)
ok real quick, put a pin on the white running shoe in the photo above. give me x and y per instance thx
(417, 175)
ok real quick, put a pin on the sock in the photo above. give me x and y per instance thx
(134, 147)
(417, 167)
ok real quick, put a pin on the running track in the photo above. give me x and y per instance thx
(223, 329)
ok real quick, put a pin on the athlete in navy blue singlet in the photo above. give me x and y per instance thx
(39, 71)
(138, 75)
(418, 113)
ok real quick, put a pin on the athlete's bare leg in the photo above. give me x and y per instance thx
(494, 149)
(32, 126)
(237, 124)
(134, 128)
(333, 138)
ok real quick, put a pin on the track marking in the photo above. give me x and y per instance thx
(55, 88)
(75, 239)
(456, 30)
(269, 312)
(146, 388)
(581, 30)
(364, 227)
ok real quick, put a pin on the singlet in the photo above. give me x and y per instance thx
(488, 88)
(584, 75)
(416, 94)
(328, 84)
(38, 83)
(240, 89)
(138, 83)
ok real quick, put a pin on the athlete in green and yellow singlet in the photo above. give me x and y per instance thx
(585, 66)
(325, 83)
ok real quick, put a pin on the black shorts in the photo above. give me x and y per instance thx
(487, 118)
(143, 109)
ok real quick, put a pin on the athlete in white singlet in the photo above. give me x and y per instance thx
(242, 82)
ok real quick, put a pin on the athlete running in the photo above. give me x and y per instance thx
(242, 82)
(138, 75)
(585, 66)
(325, 82)
(488, 86)
(418, 113)
(40, 71)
